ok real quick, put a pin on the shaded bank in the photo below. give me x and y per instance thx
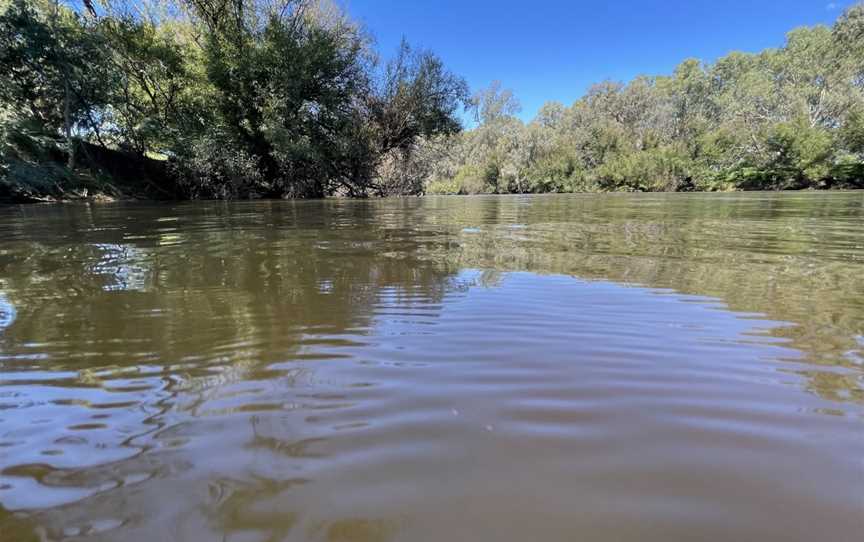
(101, 174)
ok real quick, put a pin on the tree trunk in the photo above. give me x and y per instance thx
(67, 120)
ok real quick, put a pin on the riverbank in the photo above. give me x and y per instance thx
(98, 174)
(125, 177)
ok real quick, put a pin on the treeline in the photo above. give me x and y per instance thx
(209, 99)
(786, 118)
(289, 98)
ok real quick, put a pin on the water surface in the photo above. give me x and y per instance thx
(603, 368)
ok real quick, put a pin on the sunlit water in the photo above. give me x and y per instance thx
(557, 368)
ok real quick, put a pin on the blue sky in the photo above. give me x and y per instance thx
(554, 49)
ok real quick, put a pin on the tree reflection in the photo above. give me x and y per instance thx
(790, 258)
(203, 285)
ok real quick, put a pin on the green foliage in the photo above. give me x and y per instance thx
(801, 152)
(157, 97)
(652, 170)
(245, 99)
(852, 131)
(55, 67)
(287, 98)
(786, 118)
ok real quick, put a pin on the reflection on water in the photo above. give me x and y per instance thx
(7, 312)
(623, 367)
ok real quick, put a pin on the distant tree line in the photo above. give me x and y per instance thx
(229, 98)
(786, 118)
(289, 98)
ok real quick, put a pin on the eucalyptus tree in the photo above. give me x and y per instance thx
(790, 117)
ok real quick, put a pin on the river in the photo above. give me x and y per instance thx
(559, 368)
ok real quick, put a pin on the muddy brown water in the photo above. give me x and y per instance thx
(561, 368)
